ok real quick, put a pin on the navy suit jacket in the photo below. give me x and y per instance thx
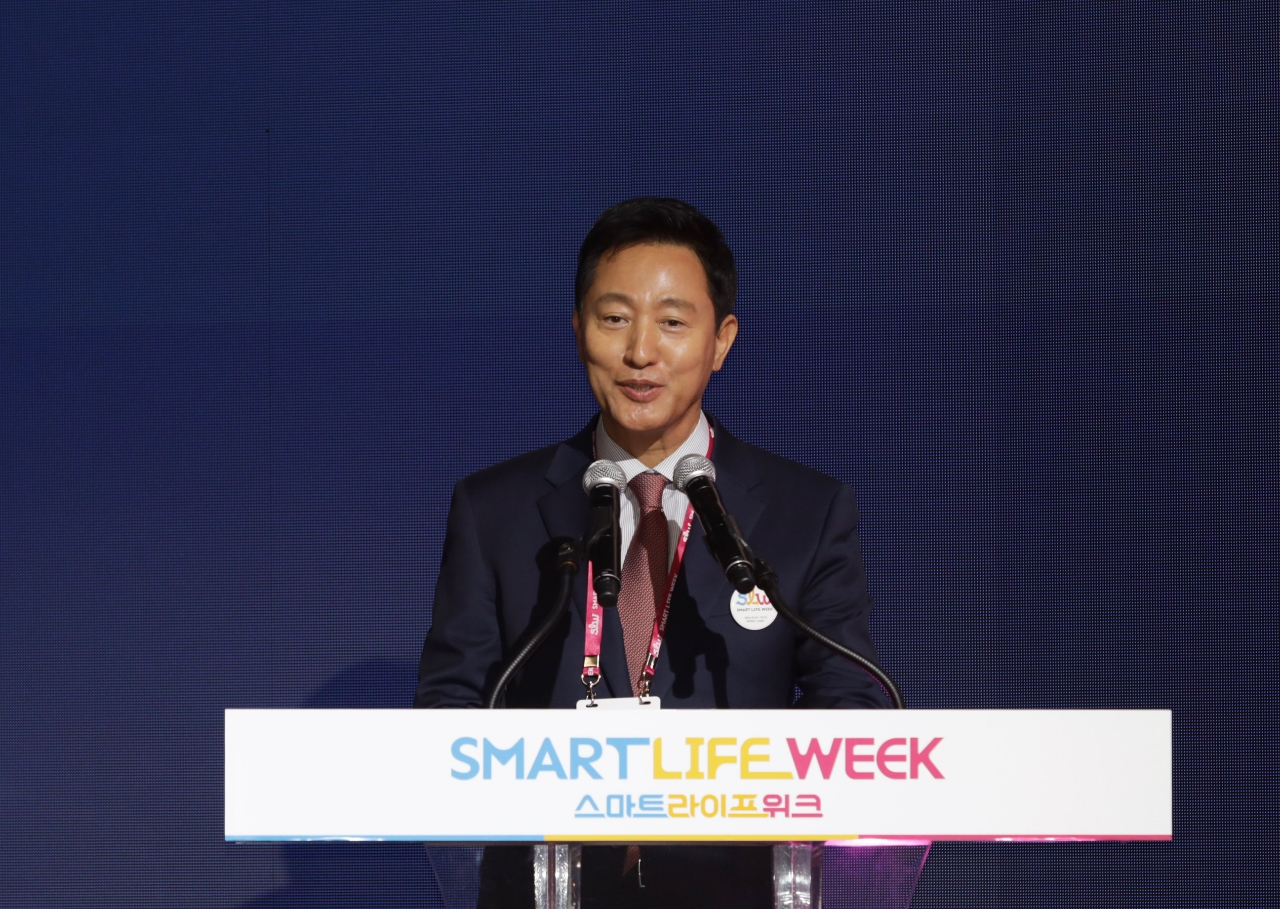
(497, 582)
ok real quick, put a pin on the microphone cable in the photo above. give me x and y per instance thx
(567, 557)
(767, 579)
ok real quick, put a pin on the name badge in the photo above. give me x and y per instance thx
(649, 703)
(753, 610)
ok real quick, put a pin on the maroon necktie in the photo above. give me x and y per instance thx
(643, 573)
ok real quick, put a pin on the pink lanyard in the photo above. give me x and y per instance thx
(595, 613)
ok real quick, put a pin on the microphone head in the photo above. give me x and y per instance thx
(689, 468)
(603, 472)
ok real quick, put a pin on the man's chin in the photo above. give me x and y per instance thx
(641, 421)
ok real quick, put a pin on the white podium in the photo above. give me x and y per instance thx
(798, 779)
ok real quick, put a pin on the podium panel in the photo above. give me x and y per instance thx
(696, 776)
(850, 874)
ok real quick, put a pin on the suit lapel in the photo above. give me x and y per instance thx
(565, 509)
(737, 476)
(566, 512)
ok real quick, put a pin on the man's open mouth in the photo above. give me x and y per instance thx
(639, 390)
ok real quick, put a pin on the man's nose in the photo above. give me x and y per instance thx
(642, 345)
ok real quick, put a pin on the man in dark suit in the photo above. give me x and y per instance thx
(653, 318)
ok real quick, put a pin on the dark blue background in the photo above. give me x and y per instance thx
(274, 275)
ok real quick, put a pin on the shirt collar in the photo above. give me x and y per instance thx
(608, 449)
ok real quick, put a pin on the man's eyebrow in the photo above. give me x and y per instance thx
(612, 296)
(678, 303)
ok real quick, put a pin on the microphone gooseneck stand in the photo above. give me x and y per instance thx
(767, 579)
(567, 558)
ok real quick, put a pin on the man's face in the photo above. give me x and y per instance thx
(647, 335)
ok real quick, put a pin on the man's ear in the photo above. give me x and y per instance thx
(725, 336)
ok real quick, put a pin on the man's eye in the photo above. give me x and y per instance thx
(614, 320)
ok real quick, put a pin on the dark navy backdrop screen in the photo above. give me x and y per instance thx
(274, 275)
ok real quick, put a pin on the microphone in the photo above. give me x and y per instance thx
(603, 483)
(695, 476)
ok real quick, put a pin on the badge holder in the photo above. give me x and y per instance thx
(591, 678)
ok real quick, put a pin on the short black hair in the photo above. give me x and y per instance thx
(652, 219)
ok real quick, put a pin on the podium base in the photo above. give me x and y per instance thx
(855, 875)
(457, 871)
(557, 876)
(861, 875)
(797, 876)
